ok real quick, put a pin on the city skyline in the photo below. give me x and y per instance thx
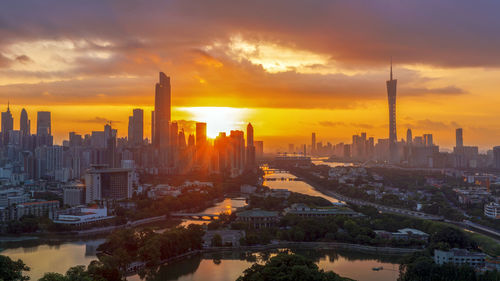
(258, 67)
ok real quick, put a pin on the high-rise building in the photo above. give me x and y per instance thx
(428, 140)
(162, 111)
(201, 133)
(409, 137)
(459, 137)
(238, 151)
(313, 143)
(250, 147)
(153, 126)
(43, 124)
(24, 123)
(259, 148)
(496, 157)
(7, 124)
(393, 138)
(136, 127)
(108, 184)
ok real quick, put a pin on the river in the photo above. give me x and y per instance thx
(58, 257)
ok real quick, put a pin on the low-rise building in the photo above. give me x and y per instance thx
(459, 256)
(258, 218)
(492, 210)
(303, 210)
(84, 216)
(229, 237)
(403, 234)
(74, 195)
(37, 209)
(13, 196)
(163, 190)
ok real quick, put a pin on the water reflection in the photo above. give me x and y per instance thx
(227, 266)
(279, 179)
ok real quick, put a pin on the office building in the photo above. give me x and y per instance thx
(43, 124)
(459, 137)
(259, 149)
(7, 125)
(409, 137)
(24, 123)
(162, 112)
(313, 143)
(136, 128)
(103, 183)
(201, 134)
(250, 157)
(496, 157)
(74, 195)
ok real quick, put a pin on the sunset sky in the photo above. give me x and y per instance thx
(290, 67)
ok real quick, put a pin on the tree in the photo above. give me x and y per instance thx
(12, 270)
(216, 240)
(78, 273)
(288, 267)
(52, 276)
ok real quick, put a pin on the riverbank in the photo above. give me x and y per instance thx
(137, 266)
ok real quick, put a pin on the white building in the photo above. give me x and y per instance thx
(85, 216)
(492, 210)
(459, 256)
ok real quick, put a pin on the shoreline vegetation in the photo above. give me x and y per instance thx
(283, 245)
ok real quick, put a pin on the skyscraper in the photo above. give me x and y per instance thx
(136, 127)
(249, 134)
(496, 157)
(250, 157)
(162, 111)
(409, 137)
(7, 124)
(24, 123)
(313, 143)
(459, 136)
(393, 138)
(201, 134)
(43, 124)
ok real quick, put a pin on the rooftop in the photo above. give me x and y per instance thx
(257, 213)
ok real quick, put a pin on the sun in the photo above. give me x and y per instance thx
(219, 119)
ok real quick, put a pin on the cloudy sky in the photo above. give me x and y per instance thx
(290, 67)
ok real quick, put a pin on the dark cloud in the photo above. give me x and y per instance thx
(98, 120)
(23, 59)
(142, 38)
(343, 124)
(431, 125)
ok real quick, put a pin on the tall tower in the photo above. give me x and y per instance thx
(24, 123)
(460, 138)
(393, 138)
(162, 113)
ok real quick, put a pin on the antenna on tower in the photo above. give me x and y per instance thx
(8, 105)
(391, 68)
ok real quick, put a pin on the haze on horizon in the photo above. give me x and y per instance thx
(289, 67)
